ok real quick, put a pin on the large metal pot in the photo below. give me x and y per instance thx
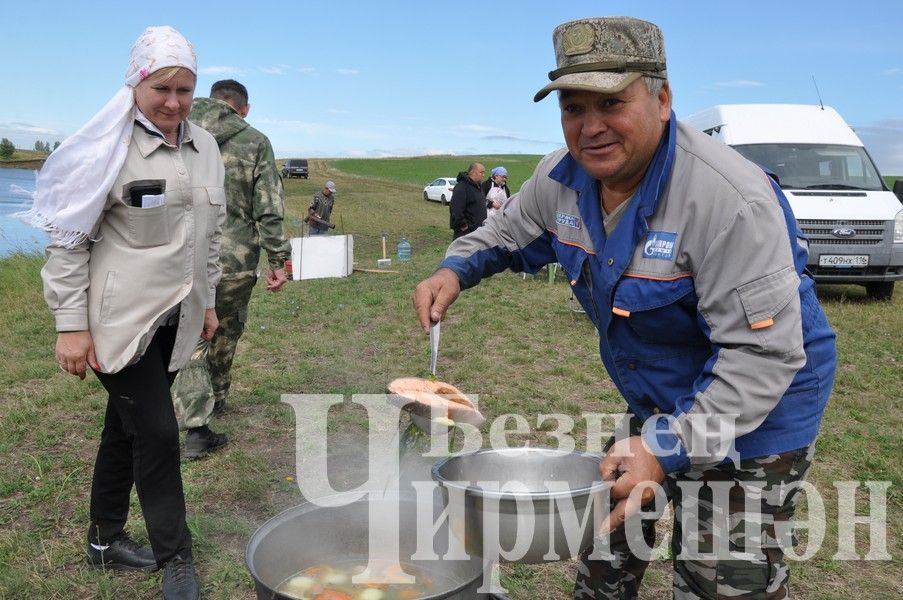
(310, 535)
(525, 505)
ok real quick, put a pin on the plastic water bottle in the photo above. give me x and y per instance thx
(404, 250)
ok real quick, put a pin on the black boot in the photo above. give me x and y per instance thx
(122, 553)
(200, 441)
(180, 581)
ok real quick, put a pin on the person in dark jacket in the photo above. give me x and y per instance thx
(467, 209)
(496, 189)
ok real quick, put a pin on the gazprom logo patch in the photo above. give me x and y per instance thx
(660, 244)
(567, 220)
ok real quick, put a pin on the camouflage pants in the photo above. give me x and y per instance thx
(198, 385)
(232, 298)
(730, 524)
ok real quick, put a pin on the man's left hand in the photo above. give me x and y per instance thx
(628, 463)
(276, 279)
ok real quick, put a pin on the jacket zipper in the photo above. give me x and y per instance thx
(587, 276)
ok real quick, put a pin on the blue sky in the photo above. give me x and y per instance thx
(371, 78)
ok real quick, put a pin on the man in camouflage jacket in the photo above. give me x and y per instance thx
(254, 213)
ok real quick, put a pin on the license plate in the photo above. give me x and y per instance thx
(843, 260)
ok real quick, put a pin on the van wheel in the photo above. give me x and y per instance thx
(444, 201)
(426, 197)
(880, 290)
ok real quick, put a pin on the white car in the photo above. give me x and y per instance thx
(440, 190)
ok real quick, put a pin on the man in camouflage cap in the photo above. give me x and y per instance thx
(688, 261)
(254, 213)
(320, 210)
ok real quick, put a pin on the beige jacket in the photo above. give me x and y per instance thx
(145, 261)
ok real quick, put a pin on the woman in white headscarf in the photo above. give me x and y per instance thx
(496, 190)
(134, 205)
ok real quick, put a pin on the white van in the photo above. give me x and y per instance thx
(853, 222)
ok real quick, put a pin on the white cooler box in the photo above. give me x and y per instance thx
(321, 256)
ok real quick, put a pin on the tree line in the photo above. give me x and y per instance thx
(7, 148)
(40, 146)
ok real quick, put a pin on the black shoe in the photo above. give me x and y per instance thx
(180, 581)
(122, 553)
(200, 441)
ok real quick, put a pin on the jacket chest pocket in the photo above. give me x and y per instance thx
(660, 312)
(146, 208)
(148, 226)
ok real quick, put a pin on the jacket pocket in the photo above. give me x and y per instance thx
(148, 226)
(770, 312)
(216, 196)
(660, 311)
(765, 297)
(106, 300)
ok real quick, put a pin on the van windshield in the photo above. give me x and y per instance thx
(816, 166)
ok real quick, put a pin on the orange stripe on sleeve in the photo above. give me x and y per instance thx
(620, 311)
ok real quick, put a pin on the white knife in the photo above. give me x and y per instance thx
(434, 346)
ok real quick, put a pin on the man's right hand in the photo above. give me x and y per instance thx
(434, 295)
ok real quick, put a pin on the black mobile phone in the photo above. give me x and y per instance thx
(139, 191)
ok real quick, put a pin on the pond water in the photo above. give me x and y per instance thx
(16, 187)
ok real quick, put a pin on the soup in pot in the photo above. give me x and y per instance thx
(332, 581)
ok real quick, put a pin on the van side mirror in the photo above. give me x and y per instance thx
(898, 189)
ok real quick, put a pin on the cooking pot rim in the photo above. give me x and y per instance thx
(594, 487)
(306, 506)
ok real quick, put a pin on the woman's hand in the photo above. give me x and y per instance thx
(75, 351)
(210, 324)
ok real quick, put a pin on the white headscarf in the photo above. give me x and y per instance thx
(73, 184)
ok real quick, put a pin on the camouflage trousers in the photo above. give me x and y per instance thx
(730, 525)
(207, 377)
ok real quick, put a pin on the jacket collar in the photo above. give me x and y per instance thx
(148, 138)
(569, 173)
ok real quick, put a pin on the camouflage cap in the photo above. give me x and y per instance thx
(605, 54)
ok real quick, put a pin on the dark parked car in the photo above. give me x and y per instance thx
(295, 167)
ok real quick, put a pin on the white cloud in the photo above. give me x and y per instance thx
(24, 135)
(522, 140)
(306, 70)
(275, 70)
(221, 70)
(740, 83)
(347, 71)
(481, 129)
(26, 128)
(895, 72)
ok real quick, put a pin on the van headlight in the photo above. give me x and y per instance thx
(898, 228)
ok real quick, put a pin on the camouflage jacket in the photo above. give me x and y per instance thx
(254, 206)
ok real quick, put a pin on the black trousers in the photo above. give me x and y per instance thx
(140, 445)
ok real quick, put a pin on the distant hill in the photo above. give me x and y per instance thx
(421, 170)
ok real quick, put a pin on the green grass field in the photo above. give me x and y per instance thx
(422, 170)
(516, 342)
